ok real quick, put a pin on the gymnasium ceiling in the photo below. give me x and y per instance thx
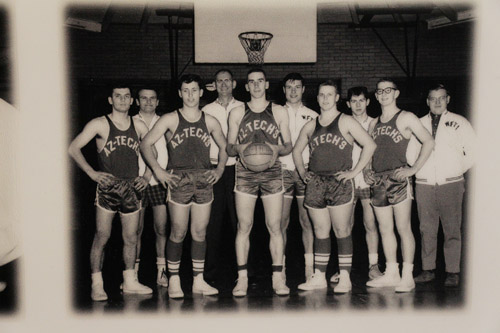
(379, 14)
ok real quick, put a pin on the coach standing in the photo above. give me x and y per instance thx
(440, 185)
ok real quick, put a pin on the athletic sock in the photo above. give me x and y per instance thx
(174, 254)
(373, 258)
(97, 278)
(407, 271)
(136, 265)
(322, 249)
(198, 250)
(345, 253)
(160, 263)
(242, 271)
(309, 259)
(277, 269)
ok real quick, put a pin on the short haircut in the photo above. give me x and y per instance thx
(188, 78)
(146, 88)
(386, 79)
(256, 70)
(118, 85)
(357, 91)
(330, 83)
(293, 77)
(437, 86)
(223, 70)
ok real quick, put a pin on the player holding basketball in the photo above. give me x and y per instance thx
(259, 121)
(154, 195)
(357, 101)
(330, 191)
(223, 204)
(390, 183)
(298, 116)
(440, 184)
(118, 185)
(189, 177)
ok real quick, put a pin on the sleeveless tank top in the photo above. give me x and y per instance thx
(189, 146)
(391, 146)
(330, 151)
(258, 127)
(120, 155)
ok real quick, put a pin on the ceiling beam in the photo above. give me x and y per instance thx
(353, 12)
(108, 17)
(395, 10)
(448, 11)
(146, 14)
(366, 19)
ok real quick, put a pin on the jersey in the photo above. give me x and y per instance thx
(120, 154)
(330, 151)
(189, 146)
(258, 127)
(391, 146)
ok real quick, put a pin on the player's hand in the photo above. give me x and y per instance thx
(140, 183)
(403, 173)
(213, 175)
(307, 176)
(344, 176)
(276, 150)
(368, 176)
(167, 178)
(240, 149)
(103, 179)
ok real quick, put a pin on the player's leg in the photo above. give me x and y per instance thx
(402, 215)
(307, 237)
(428, 216)
(340, 217)
(160, 228)
(285, 221)
(140, 228)
(391, 277)
(200, 216)
(320, 218)
(104, 220)
(273, 205)
(245, 205)
(371, 237)
(450, 204)
(179, 220)
(130, 221)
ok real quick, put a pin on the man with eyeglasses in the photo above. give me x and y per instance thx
(389, 178)
(223, 206)
(440, 183)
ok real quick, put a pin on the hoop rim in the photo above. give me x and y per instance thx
(267, 35)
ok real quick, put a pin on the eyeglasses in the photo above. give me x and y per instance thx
(386, 90)
(435, 99)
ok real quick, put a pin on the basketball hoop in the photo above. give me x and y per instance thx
(255, 44)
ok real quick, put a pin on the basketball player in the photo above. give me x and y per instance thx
(357, 101)
(259, 121)
(189, 177)
(440, 184)
(330, 191)
(154, 195)
(119, 185)
(390, 183)
(298, 116)
(223, 207)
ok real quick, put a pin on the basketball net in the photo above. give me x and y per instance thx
(255, 44)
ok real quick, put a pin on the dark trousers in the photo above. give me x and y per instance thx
(8, 298)
(223, 221)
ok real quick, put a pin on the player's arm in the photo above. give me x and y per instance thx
(368, 175)
(467, 138)
(147, 150)
(410, 121)
(89, 132)
(286, 137)
(216, 131)
(234, 119)
(141, 182)
(364, 140)
(300, 145)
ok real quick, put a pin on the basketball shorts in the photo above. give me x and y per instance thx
(119, 196)
(154, 195)
(326, 191)
(387, 191)
(268, 182)
(293, 184)
(362, 193)
(193, 188)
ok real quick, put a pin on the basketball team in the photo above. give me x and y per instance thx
(209, 167)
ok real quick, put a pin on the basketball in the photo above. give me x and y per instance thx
(257, 156)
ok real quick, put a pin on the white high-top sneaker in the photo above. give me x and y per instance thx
(317, 281)
(391, 277)
(174, 287)
(279, 285)
(201, 287)
(97, 293)
(241, 287)
(344, 285)
(407, 283)
(132, 286)
(161, 277)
